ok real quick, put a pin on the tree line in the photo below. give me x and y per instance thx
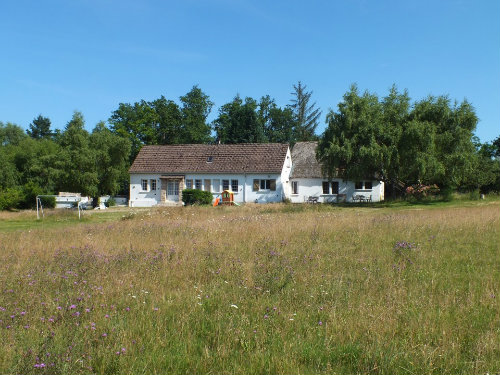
(430, 141)
(163, 121)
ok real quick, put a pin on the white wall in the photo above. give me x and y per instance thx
(314, 187)
(245, 193)
(139, 198)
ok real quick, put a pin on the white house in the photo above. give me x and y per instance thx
(307, 182)
(254, 172)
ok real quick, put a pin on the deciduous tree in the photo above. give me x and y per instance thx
(238, 122)
(196, 107)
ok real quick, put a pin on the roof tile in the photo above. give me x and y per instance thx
(194, 158)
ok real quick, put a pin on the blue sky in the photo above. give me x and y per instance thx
(86, 55)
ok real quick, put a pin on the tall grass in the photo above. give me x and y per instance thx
(268, 289)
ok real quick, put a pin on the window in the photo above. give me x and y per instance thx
(210, 159)
(295, 187)
(326, 187)
(225, 184)
(207, 185)
(189, 184)
(363, 185)
(234, 185)
(197, 184)
(264, 185)
(216, 186)
(144, 185)
(153, 184)
(330, 187)
(335, 187)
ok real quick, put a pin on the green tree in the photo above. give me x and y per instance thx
(280, 126)
(162, 121)
(496, 147)
(11, 134)
(138, 123)
(238, 122)
(349, 147)
(486, 173)
(196, 107)
(306, 116)
(169, 121)
(40, 128)
(9, 175)
(77, 159)
(111, 159)
(37, 162)
(278, 123)
(400, 144)
(454, 130)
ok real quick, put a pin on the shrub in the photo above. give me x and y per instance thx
(447, 194)
(48, 202)
(195, 196)
(110, 202)
(420, 191)
(474, 195)
(10, 199)
(29, 192)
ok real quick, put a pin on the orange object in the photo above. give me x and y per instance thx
(228, 197)
(216, 203)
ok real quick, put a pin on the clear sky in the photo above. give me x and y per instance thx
(58, 56)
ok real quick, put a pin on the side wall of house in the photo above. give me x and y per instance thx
(313, 187)
(144, 198)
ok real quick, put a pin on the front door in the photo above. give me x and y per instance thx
(173, 191)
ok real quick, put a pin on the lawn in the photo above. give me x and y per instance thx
(275, 289)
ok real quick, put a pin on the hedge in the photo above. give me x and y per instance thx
(195, 196)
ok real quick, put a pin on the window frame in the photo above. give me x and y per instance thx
(334, 191)
(363, 185)
(189, 183)
(233, 185)
(325, 187)
(144, 184)
(295, 187)
(207, 184)
(225, 185)
(153, 184)
(264, 184)
(216, 185)
(198, 184)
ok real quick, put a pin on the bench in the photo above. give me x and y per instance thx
(312, 199)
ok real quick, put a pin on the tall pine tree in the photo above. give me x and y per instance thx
(40, 128)
(305, 114)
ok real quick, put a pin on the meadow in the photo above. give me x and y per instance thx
(270, 289)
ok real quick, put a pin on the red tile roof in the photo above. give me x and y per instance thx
(195, 158)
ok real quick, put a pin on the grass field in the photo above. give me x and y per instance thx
(280, 289)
